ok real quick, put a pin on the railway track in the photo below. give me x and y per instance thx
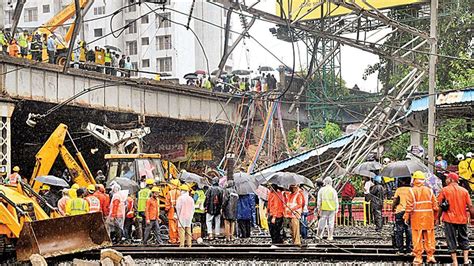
(314, 252)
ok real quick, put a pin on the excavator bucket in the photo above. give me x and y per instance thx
(65, 235)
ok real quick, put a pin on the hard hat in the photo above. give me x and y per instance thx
(149, 181)
(460, 157)
(418, 175)
(72, 193)
(378, 179)
(453, 176)
(75, 186)
(91, 187)
(16, 169)
(155, 189)
(45, 187)
(386, 160)
(175, 182)
(184, 187)
(469, 155)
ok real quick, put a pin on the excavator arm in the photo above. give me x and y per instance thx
(60, 18)
(47, 155)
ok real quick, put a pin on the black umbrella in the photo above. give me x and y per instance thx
(403, 168)
(367, 166)
(52, 181)
(190, 76)
(286, 179)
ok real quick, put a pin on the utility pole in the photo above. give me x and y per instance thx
(77, 26)
(230, 165)
(432, 82)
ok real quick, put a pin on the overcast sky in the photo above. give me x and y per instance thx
(354, 61)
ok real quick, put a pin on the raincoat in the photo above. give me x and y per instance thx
(104, 201)
(229, 204)
(116, 215)
(185, 209)
(213, 201)
(245, 207)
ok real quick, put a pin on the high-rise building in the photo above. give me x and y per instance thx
(156, 39)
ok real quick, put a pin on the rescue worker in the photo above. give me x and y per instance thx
(230, 200)
(45, 193)
(400, 227)
(455, 218)
(199, 214)
(100, 177)
(23, 43)
(129, 217)
(104, 199)
(75, 186)
(14, 178)
(185, 212)
(420, 208)
(76, 204)
(213, 208)
(327, 204)
(152, 216)
(107, 61)
(207, 84)
(82, 52)
(377, 193)
(293, 209)
(13, 49)
(63, 201)
(143, 195)
(3, 42)
(36, 48)
(170, 205)
(464, 172)
(275, 210)
(94, 202)
(51, 48)
(116, 217)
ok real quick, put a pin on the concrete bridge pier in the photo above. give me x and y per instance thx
(6, 111)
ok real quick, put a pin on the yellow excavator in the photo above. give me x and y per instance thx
(46, 156)
(25, 228)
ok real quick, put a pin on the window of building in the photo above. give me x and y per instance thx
(163, 20)
(100, 10)
(145, 19)
(135, 67)
(146, 63)
(145, 41)
(133, 6)
(46, 9)
(31, 14)
(132, 28)
(132, 47)
(8, 16)
(164, 64)
(98, 32)
(163, 42)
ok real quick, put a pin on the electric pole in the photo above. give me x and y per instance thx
(432, 82)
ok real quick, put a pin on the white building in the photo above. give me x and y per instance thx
(155, 42)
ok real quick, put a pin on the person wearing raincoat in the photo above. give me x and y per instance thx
(229, 210)
(328, 204)
(184, 212)
(170, 205)
(420, 210)
(116, 218)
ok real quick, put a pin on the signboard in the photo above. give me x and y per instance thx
(172, 150)
(300, 8)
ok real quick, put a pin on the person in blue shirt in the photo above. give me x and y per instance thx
(51, 47)
(440, 163)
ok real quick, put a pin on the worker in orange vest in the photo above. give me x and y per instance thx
(13, 48)
(293, 209)
(103, 198)
(129, 216)
(170, 204)
(275, 210)
(420, 210)
(152, 216)
(94, 202)
(14, 178)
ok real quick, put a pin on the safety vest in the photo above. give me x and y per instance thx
(78, 206)
(143, 196)
(3, 41)
(174, 194)
(199, 204)
(327, 199)
(130, 212)
(294, 208)
(108, 58)
(13, 179)
(422, 205)
(242, 86)
(94, 204)
(22, 42)
(207, 85)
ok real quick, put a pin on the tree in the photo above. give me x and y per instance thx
(304, 139)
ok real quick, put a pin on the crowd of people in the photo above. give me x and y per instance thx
(231, 83)
(32, 45)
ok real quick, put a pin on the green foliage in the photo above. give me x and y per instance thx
(305, 138)
(330, 132)
(453, 138)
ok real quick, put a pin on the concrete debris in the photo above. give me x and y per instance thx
(107, 262)
(112, 254)
(128, 261)
(38, 260)
(78, 262)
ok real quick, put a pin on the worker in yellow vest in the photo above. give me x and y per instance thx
(3, 42)
(143, 195)
(107, 61)
(23, 43)
(76, 205)
(328, 205)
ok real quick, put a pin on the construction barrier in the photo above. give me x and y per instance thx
(358, 213)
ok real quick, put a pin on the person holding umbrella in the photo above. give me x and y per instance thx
(293, 210)
(230, 200)
(275, 210)
(377, 193)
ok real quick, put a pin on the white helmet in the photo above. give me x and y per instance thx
(469, 155)
(386, 160)
(460, 157)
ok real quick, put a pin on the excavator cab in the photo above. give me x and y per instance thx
(26, 228)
